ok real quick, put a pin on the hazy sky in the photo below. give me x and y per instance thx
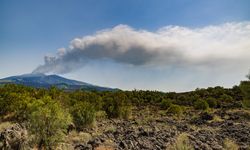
(144, 44)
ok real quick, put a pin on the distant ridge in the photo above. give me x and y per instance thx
(39, 80)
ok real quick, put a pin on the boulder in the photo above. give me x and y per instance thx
(14, 137)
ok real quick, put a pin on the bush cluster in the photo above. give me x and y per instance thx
(201, 105)
(48, 121)
(117, 105)
(212, 102)
(83, 114)
(245, 88)
(165, 103)
(175, 110)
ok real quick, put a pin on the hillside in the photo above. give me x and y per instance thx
(46, 81)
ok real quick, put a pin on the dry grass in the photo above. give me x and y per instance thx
(230, 145)
(5, 125)
(194, 127)
(78, 137)
(104, 148)
(181, 143)
(247, 111)
(64, 146)
(107, 145)
(110, 128)
(100, 115)
(216, 118)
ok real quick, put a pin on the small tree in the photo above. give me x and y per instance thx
(83, 114)
(20, 105)
(212, 102)
(245, 88)
(126, 112)
(165, 103)
(201, 105)
(116, 105)
(48, 121)
(112, 108)
(226, 98)
(175, 110)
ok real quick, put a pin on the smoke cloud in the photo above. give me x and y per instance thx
(169, 46)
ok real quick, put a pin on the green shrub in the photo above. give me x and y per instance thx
(95, 100)
(175, 110)
(86, 96)
(226, 98)
(48, 121)
(112, 108)
(192, 98)
(116, 105)
(15, 103)
(101, 115)
(3, 109)
(212, 102)
(245, 88)
(226, 101)
(246, 103)
(201, 105)
(165, 103)
(83, 114)
(20, 107)
(182, 100)
(126, 112)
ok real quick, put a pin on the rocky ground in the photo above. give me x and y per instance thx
(152, 129)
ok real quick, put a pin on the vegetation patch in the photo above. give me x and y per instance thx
(182, 143)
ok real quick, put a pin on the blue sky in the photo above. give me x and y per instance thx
(31, 29)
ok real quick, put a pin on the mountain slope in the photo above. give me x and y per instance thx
(46, 81)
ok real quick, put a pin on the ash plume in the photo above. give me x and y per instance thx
(169, 46)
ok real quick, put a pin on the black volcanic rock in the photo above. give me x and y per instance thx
(46, 81)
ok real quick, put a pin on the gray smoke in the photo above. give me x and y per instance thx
(168, 46)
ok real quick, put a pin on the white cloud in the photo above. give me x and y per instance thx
(225, 44)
